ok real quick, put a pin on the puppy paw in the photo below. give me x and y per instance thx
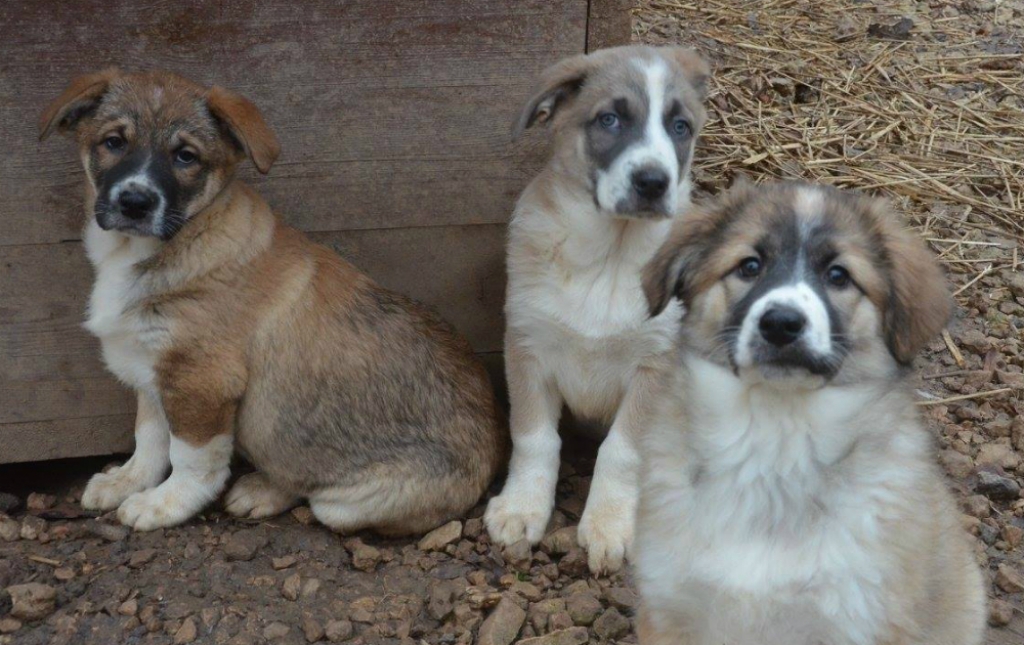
(517, 515)
(106, 491)
(254, 496)
(606, 532)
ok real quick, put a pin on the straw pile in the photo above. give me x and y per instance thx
(920, 102)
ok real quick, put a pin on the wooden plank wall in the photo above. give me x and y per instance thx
(394, 120)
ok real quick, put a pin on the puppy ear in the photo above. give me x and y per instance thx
(244, 122)
(919, 303)
(695, 69)
(663, 277)
(558, 84)
(81, 97)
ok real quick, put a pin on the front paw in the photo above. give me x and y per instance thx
(107, 491)
(606, 532)
(153, 509)
(254, 496)
(516, 515)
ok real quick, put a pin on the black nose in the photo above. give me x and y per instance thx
(650, 183)
(136, 204)
(782, 325)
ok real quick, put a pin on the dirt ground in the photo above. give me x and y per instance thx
(74, 578)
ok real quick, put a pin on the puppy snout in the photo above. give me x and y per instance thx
(650, 183)
(136, 204)
(781, 326)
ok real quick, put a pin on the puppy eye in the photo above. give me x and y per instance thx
(609, 120)
(681, 127)
(114, 142)
(749, 268)
(185, 157)
(837, 276)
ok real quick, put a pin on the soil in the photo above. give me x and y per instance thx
(71, 577)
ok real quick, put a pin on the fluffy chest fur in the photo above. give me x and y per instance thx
(766, 513)
(575, 298)
(131, 341)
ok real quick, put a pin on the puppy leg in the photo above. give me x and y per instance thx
(607, 526)
(653, 629)
(147, 466)
(255, 496)
(201, 410)
(523, 508)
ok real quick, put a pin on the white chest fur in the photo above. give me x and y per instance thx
(130, 344)
(753, 526)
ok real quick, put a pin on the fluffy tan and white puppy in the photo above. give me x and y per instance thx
(624, 122)
(789, 493)
(238, 333)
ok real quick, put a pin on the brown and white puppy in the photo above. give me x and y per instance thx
(789, 491)
(624, 124)
(237, 332)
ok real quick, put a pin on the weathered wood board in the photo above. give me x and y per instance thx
(394, 119)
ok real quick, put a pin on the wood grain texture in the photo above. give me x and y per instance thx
(609, 23)
(390, 114)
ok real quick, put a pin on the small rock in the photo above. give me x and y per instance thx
(441, 602)
(303, 515)
(10, 530)
(559, 542)
(141, 558)
(286, 562)
(9, 625)
(528, 591)
(128, 607)
(243, 545)
(996, 487)
(338, 630)
(519, 554)
(956, 464)
(309, 588)
(474, 528)
(1007, 578)
(975, 340)
(999, 454)
(503, 625)
(364, 556)
(1013, 536)
(275, 630)
(186, 633)
(32, 527)
(574, 563)
(8, 502)
(361, 610)
(109, 532)
(32, 601)
(571, 636)
(39, 501)
(64, 574)
(978, 506)
(291, 586)
(611, 625)
(999, 613)
(621, 598)
(583, 608)
(441, 537)
(312, 630)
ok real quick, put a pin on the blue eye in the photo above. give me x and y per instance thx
(680, 127)
(837, 276)
(608, 120)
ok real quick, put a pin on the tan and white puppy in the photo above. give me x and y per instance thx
(237, 332)
(789, 491)
(624, 124)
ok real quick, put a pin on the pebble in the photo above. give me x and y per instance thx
(9, 625)
(275, 630)
(64, 574)
(519, 554)
(1007, 578)
(1013, 535)
(503, 624)
(109, 532)
(998, 453)
(441, 601)
(39, 501)
(312, 630)
(303, 515)
(559, 542)
(611, 625)
(186, 633)
(243, 545)
(285, 562)
(364, 556)
(956, 464)
(583, 608)
(32, 527)
(8, 502)
(128, 607)
(574, 563)
(571, 636)
(291, 586)
(621, 598)
(338, 630)
(996, 487)
(141, 558)
(978, 506)
(999, 613)
(32, 601)
(441, 537)
(10, 530)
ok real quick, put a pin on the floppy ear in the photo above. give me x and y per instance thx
(245, 123)
(558, 83)
(664, 275)
(695, 68)
(919, 303)
(80, 98)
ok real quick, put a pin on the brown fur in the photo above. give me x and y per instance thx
(333, 387)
